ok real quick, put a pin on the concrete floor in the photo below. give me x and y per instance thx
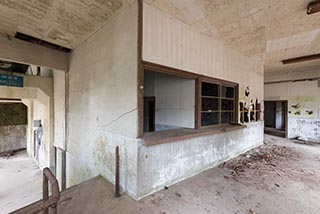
(279, 177)
(20, 182)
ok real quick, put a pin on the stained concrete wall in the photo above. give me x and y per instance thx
(165, 164)
(103, 102)
(303, 101)
(175, 100)
(168, 41)
(13, 137)
(37, 95)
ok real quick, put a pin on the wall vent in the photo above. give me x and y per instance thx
(41, 42)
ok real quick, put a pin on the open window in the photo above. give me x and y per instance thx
(218, 103)
(169, 102)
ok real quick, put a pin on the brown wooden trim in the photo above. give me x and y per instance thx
(140, 68)
(169, 136)
(145, 65)
(217, 81)
(197, 122)
(301, 59)
(168, 70)
(220, 98)
(236, 106)
(186, 74)
(10, 99)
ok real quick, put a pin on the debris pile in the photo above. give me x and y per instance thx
(254, 166)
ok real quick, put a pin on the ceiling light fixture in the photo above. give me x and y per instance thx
(313, 7)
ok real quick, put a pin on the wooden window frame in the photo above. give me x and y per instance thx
(220, 84)
(198, 81)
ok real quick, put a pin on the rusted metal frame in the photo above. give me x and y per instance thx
(48, 201)
(117, 173)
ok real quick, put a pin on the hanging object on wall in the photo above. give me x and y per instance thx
(247, 91)
(310, 112)
(295, 106)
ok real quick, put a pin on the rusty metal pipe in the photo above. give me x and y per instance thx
(45, 192)
(48, 201)
(117, 180)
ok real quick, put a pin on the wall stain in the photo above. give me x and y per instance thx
(102, 155)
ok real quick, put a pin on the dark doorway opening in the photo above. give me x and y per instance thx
(275, 114)
(149, 114)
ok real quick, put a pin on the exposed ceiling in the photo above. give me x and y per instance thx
(273, 29)
(66, 23)
(13, 67)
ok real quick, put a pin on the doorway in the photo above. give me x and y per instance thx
(276, 118)
(149, 114)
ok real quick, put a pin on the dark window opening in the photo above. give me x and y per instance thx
(217, 104)
(149, 113)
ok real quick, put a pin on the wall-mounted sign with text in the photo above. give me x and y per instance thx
(10, 80)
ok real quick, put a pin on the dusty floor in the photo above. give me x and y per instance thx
(20, 182)
(279, 177)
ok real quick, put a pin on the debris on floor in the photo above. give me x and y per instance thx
(255, 166)
(11, 153)
(310, 143)
(278, 177)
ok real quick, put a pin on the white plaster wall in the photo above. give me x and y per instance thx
(304, 93)
(175, 99)
(167, 41)
(165, 164)
(103, 102)
(59, 108)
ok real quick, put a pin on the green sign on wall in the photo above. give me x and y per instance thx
(10, 80)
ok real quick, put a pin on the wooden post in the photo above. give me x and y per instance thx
(117, 180)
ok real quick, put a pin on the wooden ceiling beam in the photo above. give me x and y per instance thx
(301, 59)
(313, 7)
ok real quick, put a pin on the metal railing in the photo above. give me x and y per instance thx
(48, 201)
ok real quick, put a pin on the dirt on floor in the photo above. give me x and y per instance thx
(20, 181)
(280, 177)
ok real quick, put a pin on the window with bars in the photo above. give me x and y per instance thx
(218, 103)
